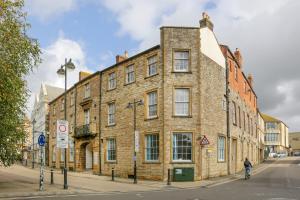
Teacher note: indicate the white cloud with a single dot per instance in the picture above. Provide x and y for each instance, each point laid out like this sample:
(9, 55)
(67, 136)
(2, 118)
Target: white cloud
(266, 32)
(53, 57)
(45, 9)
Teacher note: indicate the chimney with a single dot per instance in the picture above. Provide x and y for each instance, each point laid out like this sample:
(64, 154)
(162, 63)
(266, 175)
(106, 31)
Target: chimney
(238, 57)
(120, 58)
(250, 80)
(83, 75)
(205, 22)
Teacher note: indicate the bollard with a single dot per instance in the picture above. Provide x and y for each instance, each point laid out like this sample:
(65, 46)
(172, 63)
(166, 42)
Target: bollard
(169, 177)
(52, 181)
(113, 174)
(62, 170)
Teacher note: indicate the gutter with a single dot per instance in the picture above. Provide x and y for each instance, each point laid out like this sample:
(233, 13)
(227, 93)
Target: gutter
(227, 117)
(99, 118)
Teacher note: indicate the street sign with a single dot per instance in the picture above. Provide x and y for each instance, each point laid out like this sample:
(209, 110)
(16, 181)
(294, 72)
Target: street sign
(136, 141)
(42, 140)
(204, 141)
(62, 131)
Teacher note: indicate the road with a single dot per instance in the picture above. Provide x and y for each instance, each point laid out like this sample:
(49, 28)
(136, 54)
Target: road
(280, 181)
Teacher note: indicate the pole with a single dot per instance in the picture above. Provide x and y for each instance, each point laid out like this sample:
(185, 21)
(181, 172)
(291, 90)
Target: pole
(52, 181)
(65, 109)
(42, 171)
(134, 127)
(33, 122)
(169, 177)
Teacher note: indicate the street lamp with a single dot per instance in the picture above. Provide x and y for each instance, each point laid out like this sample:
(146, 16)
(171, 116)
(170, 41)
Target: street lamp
(33, 122)
(63, 72)
(133, 105)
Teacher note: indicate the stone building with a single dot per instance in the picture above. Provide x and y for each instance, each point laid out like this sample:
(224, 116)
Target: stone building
(242, 104)
(294, 141)
(179, 90)
(276, 135)
(39, 118)
(261, 137)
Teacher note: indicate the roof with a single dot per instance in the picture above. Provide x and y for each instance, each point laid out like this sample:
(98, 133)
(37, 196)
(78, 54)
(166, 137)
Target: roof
(53, 92)
(268, 118)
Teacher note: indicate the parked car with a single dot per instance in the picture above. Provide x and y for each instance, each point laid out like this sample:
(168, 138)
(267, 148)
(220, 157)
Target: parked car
(282, 155)
(273, 155)
(297, 153)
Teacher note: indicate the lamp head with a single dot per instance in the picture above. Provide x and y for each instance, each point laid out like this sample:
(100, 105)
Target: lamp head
(61, 71)
(70, 64)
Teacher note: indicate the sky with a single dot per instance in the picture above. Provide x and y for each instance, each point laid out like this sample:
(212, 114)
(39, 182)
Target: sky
(93, 32)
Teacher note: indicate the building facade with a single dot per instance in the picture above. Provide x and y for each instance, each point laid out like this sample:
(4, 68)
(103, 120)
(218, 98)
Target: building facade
(39, 119)
(294, 142)
(262, 155)
(276, 135)
(155, 108)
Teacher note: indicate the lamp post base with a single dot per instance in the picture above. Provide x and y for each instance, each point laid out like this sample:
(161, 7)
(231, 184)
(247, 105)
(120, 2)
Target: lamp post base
(65, 179)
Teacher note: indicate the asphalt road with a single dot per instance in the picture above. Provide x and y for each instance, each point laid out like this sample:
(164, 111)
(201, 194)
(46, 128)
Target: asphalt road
(281, 181)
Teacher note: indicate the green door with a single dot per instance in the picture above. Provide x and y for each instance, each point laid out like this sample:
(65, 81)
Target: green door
(183, 174)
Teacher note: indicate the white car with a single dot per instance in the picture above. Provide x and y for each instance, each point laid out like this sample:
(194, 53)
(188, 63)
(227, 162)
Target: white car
(273, 155)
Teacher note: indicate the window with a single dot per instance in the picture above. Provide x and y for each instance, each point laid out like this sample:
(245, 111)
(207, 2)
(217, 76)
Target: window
(271, 137)
(224, 106)
(53, 154)
(130, 74)
(233, 113)
(181, 61)
(111, 149)
(182, 146)
(112, 81)
(182, 102)
(152, 104)
(244, 120)
(152, 65)
(235, 72)
(152, 147)
(87, 91)
(54, 109)
(271, 125)
(221, 148)
(72, 99)
(86, 116)
(248, 121)
(111, 113)
(62, 106)
(71, 153)
(251, 126)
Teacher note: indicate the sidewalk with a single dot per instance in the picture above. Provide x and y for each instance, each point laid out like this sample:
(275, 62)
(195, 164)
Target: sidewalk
(19, 181)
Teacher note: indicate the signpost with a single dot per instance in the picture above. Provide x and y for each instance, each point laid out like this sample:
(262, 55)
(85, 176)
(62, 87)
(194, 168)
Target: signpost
(42, 141)
(136, 141)
(62, 130)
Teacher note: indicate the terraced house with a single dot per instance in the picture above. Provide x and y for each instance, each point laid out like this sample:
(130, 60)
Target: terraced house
(155, 108)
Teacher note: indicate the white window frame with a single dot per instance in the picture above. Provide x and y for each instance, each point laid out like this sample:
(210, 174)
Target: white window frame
(87, 118)
(182, 100)
(234, 118)
(152, 65)
(175, 148)
(221, 148)
(111, 150)
(112, 80)
(130, 74)
(182, 59)
(111, 113)
(87, 90)
(152, 103)
(152, 147)
(62, 104)
(72, 99)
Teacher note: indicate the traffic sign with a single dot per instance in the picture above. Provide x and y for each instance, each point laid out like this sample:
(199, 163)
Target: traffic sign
(204, 141)
(42, 140)
(136, 141)
(62, 131)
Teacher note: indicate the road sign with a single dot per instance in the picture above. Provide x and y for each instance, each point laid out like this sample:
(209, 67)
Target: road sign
(42, 140)
(136, 141)
(204, 141)
(62, 131)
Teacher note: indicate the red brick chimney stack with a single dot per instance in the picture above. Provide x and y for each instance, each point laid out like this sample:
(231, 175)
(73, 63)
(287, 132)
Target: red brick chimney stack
(238, 57)
(120, 58)
(205, 22)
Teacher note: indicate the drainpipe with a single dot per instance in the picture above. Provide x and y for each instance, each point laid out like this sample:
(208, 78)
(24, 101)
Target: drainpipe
(75, 121)
(227, 117)
(100, 96)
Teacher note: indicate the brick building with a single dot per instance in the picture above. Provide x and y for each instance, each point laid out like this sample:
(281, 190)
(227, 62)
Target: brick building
(180, 85)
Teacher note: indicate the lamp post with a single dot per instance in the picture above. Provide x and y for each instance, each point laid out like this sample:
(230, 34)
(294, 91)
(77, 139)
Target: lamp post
(63, 71)
(133, 105)
(33, 122)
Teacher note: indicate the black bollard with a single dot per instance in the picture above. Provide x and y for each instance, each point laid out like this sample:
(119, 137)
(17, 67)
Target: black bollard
(113, 174)
(51, 171)
(169, 177)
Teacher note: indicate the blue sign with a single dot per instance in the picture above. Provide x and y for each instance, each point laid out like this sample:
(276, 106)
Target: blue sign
(42, 140)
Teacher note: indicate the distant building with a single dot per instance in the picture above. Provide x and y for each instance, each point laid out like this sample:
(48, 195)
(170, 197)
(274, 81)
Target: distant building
(39, 117)
(276, 135)
(294, 140)
(26, 143)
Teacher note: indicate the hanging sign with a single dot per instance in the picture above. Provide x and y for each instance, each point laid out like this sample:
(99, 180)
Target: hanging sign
(62, 131)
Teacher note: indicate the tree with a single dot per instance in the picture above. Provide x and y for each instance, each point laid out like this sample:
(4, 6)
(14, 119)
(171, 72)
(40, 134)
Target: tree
(19, 54)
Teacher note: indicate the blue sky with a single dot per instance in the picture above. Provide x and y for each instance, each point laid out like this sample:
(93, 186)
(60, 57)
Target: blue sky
(93, 32)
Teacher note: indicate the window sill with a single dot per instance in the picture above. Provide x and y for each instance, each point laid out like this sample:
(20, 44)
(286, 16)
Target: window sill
(111, 162)
(181, 72)
(221, 161)
(108, 90)
(110, 125)
(151, 76)
(125, 84)
(150, 118)
(182, 162)
(182, 116)
(152, 162)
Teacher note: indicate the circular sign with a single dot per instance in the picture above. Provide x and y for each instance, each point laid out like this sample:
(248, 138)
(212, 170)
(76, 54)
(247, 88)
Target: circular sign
(42, 140)
(62, 128)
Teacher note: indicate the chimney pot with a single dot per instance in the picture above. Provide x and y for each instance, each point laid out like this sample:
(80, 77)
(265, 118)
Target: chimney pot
(238, 57)
(205, 22)
(250, 79)
(126, 54)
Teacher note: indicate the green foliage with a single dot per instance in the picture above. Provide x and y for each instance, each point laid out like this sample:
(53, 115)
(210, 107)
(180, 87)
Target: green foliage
(18, 55)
